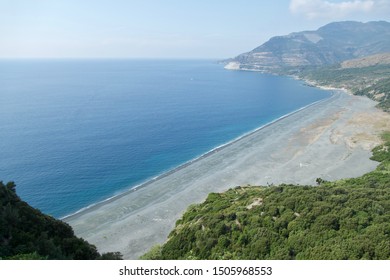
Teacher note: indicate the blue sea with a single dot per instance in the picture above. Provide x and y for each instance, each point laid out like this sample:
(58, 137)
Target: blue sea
(76, 132)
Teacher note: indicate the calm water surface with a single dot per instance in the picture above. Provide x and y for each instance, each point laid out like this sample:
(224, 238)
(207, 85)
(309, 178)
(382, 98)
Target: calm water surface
(75, 132)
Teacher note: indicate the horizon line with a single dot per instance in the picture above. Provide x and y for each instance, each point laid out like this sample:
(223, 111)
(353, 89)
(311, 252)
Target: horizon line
(113, 58)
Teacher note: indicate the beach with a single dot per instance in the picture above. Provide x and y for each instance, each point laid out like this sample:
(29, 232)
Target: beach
(331, 139)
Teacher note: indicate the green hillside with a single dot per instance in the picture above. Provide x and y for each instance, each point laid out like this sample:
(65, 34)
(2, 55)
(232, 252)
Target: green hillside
(347, 219)
(372, 81)
(26, 233)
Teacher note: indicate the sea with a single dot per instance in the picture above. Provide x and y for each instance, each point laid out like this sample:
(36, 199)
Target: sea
(76, 132)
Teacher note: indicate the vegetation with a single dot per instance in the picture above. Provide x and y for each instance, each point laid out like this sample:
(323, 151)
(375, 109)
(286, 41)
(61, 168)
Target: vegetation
(379, 91)
(27, 234)
(372, 81)
(346, 219)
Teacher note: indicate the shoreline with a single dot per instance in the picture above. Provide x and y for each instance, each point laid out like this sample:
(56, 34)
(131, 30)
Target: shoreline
(132, 189)
(311, 143)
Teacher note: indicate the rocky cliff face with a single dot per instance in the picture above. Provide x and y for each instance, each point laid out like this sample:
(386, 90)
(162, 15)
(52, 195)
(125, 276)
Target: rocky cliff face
(330, 44)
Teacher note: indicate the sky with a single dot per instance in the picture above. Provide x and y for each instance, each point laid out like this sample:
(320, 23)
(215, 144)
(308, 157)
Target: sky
(164, 28)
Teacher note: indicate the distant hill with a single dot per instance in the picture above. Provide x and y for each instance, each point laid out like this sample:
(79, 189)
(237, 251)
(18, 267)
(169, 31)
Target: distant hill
(349, 54)
(369, 76)
(372, 60)
(330, 44)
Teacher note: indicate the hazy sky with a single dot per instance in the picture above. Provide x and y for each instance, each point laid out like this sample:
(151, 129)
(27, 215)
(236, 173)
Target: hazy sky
(164, 28)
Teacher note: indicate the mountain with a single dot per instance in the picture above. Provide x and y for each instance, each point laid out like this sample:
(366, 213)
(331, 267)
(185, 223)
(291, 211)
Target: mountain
(330, 44)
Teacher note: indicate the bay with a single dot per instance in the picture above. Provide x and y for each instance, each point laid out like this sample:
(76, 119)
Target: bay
(75, 132)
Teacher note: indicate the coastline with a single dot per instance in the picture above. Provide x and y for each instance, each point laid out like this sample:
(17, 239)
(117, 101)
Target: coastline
(192, 161)
(298, 148)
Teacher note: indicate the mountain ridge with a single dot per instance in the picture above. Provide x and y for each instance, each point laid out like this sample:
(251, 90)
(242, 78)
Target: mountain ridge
(330, 44)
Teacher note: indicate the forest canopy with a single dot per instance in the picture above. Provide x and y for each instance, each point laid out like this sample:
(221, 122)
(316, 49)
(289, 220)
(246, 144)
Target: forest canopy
(26, 233)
